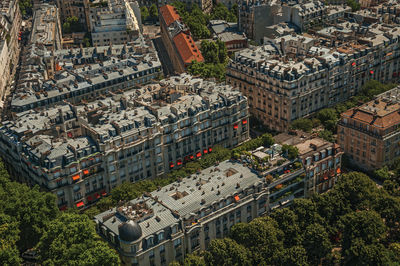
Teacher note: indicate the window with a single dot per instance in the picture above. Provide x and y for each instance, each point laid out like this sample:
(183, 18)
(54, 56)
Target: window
(177, 242)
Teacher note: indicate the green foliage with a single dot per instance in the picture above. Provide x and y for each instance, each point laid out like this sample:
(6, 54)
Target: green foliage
(382, 173)
(328, 118)
(72, 239)
(25, 6)
(290, 151)
(326, 135)
(214, 52)
(302, 124)
(153, 11)
(354, 5)
(144, 13)
(215, 58)
(226, 252)
(356, 217)
(205, 70)
(316, 243)
(295, 256)
(195, 19)
(72, 24)
(220, 11)
(193, 260)
(265, 140)
(9, 235)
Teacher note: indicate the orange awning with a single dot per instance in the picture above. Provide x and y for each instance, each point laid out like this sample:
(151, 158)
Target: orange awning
(80, 204)
(86, 172)
(103, 193)
(76, 177)
(236, 198)
(338, 171)
(97, 195)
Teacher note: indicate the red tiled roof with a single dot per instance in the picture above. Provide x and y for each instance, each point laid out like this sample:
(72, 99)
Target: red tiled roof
(187, 48)
(169, 14)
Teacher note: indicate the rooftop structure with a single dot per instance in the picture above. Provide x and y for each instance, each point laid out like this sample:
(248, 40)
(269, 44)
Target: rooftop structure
(85, 149)
(49, 77)
(46, 30)
(294, 75)
(229, 34)
(116, 21)
(177, 40)
(186, 215)
(369, 133)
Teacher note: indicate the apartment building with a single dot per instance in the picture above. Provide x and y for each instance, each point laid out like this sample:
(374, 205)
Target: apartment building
(10, 24)
(369, 134)
(255, 16)
(73, 8)
(185, 216)
(46, 29)
(81, 151)
(228, 33)
(296, 75)
(114, 21)
(50, 77)
(304, 15)
(176, 37)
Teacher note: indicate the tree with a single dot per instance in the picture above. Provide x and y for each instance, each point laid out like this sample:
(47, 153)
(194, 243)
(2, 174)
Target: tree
(290, 151)
(194, 260)
(365, 225)
(354, 5)
(72, 239)
(326, 135)
(382, 173)
(328, 118)
(9, 235)
(227, 252)
(144, 13)
(99, 254)
(307, 213)
(262, 236)
(153, 11)
(294, 256)
(32, 208)
(316, 242)
(303, 124)
(287, 222)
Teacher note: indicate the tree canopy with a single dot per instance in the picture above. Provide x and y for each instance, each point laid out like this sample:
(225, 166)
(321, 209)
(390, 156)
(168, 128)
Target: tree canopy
(351, 218)
(30, 218)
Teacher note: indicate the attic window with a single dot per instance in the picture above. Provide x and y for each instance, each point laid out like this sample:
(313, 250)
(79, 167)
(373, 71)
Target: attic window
(178, 195)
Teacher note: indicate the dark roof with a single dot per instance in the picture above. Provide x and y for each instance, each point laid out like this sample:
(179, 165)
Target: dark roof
(130, 231)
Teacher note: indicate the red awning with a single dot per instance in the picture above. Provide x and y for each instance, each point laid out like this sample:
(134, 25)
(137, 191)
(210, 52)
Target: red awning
(171, 165)
(198, 154)
(209, 149)
(371, 72)
(80, 204)
(103, 193)
(76, 177)
(191, 157)
(353, 64)
(236, 198)
(97, 195)
(338, 171)
(89, 198)
(205, 151)
(244, 122)
(69, 134)
(85, 172)
(235, 126)
(179, 162)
